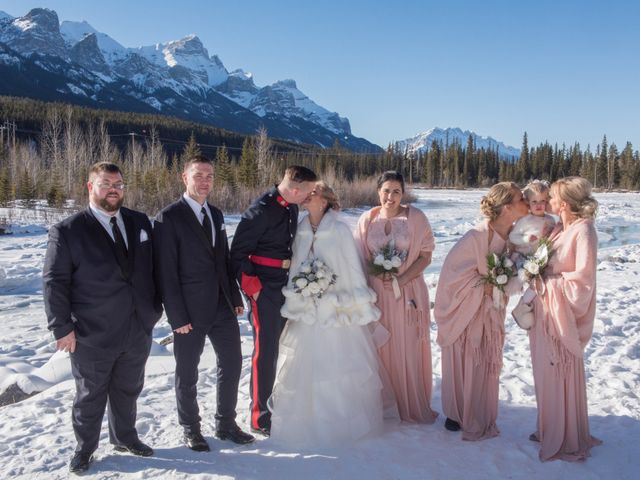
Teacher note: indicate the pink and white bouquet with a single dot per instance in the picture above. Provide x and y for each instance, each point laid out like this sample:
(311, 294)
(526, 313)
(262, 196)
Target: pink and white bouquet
(313, 279)
(500, 268)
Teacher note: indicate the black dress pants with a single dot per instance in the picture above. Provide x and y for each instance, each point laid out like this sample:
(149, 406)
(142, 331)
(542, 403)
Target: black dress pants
(112, 377)
(224, 335)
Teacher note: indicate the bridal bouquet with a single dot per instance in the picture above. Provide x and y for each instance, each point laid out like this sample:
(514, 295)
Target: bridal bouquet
(500, 268)
(313, 279)
(535, 264)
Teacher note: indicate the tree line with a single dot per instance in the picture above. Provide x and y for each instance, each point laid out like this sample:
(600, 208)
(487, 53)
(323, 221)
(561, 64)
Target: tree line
(52, 162)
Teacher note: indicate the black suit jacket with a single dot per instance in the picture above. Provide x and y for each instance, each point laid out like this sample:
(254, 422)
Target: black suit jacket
(191, 272)
(86, 290)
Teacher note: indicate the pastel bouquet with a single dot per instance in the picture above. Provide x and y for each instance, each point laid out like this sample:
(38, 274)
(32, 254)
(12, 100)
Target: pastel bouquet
(500, 269)
(313, 279)
(535, 263)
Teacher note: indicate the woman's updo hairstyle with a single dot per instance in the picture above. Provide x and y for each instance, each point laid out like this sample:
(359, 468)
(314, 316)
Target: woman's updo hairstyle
(576, 193)
(326, 192)
(499, 195)
(391, 176)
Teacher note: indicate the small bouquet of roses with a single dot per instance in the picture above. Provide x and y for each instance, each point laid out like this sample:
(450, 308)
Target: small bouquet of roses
(386, 261)
(313, 279)
(535, 264)
(500, 268)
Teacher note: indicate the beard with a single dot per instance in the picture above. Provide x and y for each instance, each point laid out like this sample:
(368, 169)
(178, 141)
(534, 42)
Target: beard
(111, 207)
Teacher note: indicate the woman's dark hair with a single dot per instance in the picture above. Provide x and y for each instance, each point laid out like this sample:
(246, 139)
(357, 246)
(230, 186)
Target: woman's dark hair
(391, 176)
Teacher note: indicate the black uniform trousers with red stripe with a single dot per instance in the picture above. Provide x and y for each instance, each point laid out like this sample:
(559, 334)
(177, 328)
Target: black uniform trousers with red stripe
(267, 327)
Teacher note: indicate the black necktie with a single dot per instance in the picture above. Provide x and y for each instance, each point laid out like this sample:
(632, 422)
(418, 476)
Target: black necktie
(206, 226)
(121, 247)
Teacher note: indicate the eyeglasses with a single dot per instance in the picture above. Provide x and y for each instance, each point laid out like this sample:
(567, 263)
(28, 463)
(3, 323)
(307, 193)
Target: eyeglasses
(109, 186)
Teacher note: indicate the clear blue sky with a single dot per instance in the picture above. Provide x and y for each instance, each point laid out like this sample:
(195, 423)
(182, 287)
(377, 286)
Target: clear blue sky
(564, 71)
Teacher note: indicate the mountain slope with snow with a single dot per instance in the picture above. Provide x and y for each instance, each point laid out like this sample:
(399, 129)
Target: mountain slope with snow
(163, 76)
(448, 136)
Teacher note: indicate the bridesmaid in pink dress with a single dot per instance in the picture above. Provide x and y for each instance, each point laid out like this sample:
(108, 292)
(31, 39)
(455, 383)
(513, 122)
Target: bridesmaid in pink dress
(564, 313)
(406, 355)
(470, 327)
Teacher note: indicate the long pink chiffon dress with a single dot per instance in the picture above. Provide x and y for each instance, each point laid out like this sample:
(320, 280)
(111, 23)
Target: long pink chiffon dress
(564, 314)
(406, 355)
(470, 334)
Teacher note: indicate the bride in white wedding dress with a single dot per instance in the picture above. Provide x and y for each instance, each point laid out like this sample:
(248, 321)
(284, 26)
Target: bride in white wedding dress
(327, 390)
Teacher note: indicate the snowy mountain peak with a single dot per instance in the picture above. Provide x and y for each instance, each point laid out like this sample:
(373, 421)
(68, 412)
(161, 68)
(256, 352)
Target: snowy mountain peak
(5, 17)
(39, 18)
(448, 136)
(176, 77)
(37, 31)
(287, 83)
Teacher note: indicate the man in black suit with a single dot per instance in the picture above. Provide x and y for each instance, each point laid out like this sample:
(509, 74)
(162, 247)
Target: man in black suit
(202, 299)
(260, 255)
(101, 305)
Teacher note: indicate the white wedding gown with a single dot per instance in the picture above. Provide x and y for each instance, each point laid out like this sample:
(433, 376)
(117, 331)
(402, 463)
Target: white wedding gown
(327, 390)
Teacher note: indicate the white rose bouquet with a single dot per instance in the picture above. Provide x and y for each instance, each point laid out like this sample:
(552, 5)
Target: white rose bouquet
(535, 264)
(313, 279)
(500, 268)
(387, 260)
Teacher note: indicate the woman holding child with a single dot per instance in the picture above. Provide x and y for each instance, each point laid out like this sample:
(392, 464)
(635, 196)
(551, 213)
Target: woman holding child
(402, 293)
(471, 321)
(564, 312)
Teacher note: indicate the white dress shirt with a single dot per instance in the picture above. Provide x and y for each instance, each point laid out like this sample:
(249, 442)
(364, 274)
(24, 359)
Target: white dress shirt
(105, 220)
(197, 209)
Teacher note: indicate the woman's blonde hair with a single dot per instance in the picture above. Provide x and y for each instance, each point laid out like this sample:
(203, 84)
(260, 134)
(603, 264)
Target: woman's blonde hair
(328, 194)
(576, 193)
(499, 195)
(535, 187)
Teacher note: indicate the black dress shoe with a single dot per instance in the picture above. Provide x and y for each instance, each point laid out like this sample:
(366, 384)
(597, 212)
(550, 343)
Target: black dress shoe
(80, 462)
(266, 431)
(196, 442)
(137, 448)
(451, 425)
(235, 434)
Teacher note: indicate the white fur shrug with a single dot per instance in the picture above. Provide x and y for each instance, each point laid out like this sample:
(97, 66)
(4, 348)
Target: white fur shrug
(347, 302)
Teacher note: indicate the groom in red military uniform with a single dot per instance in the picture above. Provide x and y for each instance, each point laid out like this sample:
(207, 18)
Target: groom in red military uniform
(260, 256)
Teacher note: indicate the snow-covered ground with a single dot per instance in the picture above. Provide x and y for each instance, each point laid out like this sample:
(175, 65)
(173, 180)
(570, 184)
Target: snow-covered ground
(36, 440)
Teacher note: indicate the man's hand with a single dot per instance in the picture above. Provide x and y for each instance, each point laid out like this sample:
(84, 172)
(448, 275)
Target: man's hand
(184, 329)
(67, 343)
(239, 310)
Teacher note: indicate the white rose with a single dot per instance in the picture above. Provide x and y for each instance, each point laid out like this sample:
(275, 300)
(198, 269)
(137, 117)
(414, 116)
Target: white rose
(532, 267)
(324, 283)
(502, 279)
(314, 288)
(542, 254)
(306, 292)
(387, 265)
(321, 273)
(379, 260)
(305, 268)
(395, 261)
(507, 263)
(301, 282)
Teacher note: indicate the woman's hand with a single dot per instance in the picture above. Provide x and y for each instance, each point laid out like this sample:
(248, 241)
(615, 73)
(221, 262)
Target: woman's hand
(488, 289)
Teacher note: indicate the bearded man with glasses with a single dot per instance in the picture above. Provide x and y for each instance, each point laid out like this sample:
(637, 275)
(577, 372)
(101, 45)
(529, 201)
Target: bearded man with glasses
(101, 305)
